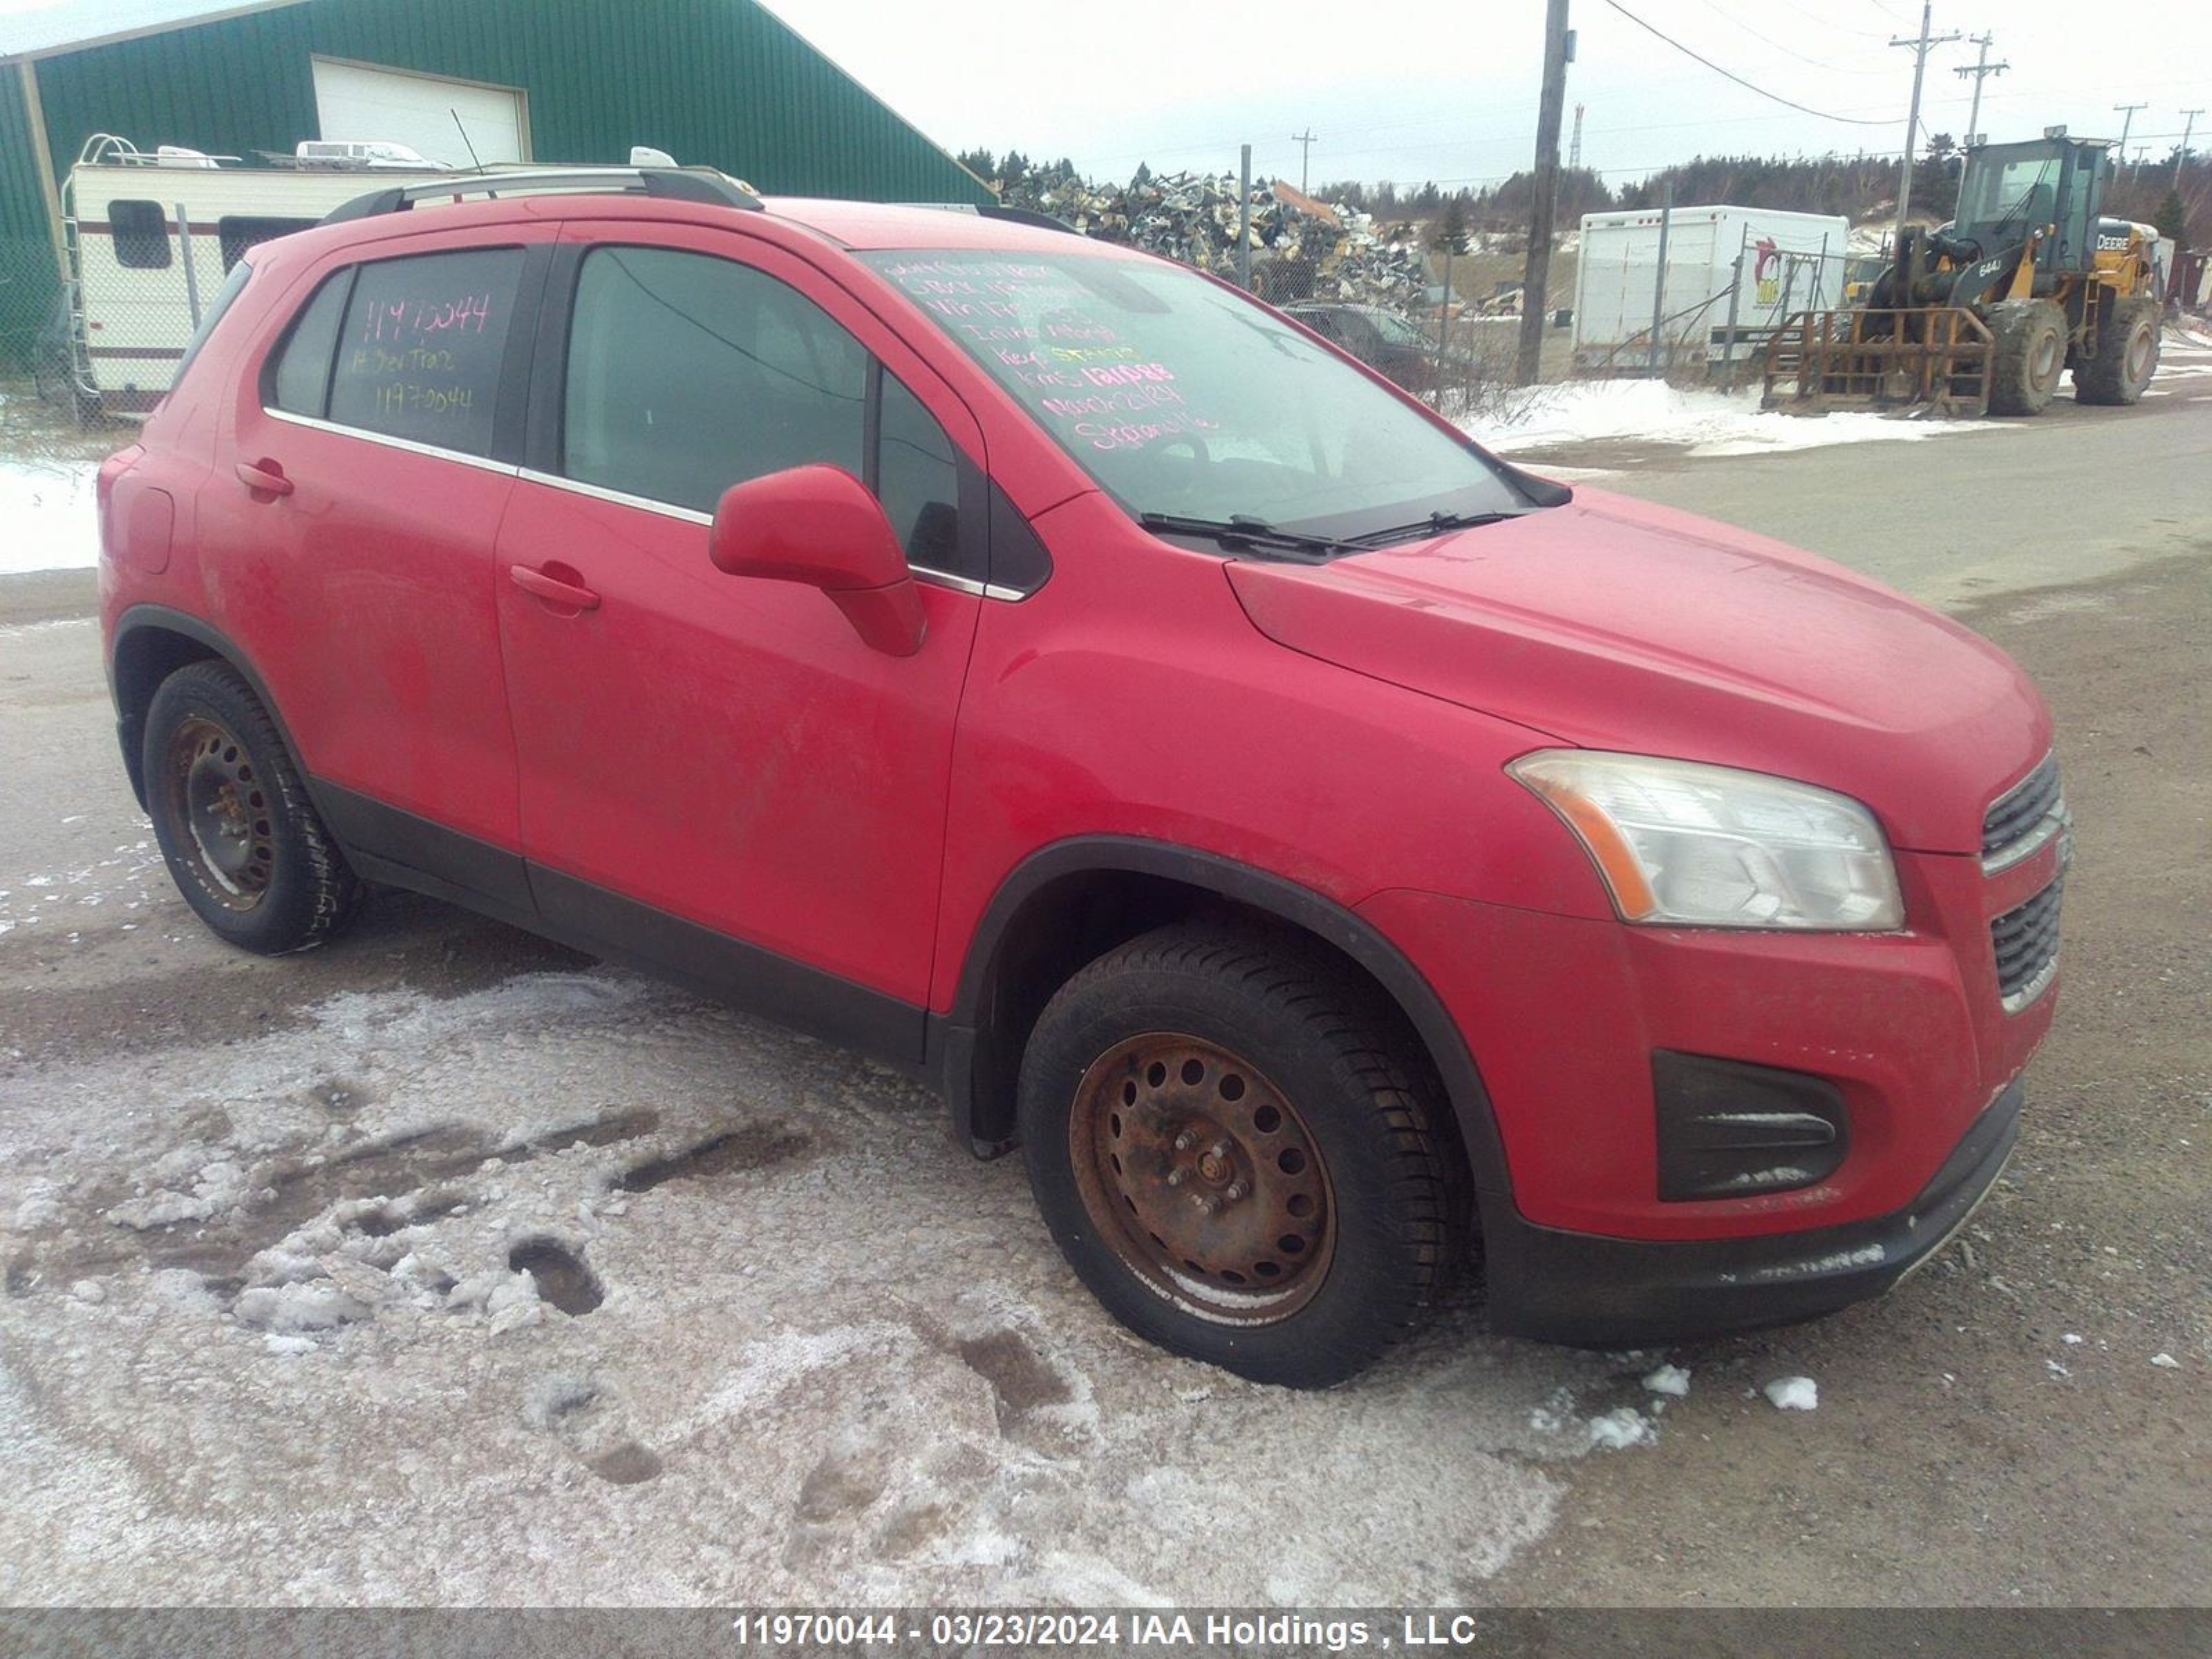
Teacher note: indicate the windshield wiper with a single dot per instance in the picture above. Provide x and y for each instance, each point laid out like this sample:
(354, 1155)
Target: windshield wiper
(1434, 525)
(1242, 529)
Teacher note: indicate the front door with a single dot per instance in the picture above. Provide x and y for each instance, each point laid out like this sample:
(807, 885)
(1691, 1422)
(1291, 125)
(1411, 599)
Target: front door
(718, 774)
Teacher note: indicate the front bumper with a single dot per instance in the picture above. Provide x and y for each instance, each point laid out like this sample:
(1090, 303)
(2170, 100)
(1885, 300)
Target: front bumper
(1595, 1291)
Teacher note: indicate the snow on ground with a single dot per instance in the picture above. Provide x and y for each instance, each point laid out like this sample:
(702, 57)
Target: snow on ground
(47, 519)
(1794, 1394)
(1670, 1380)
(1703, 422)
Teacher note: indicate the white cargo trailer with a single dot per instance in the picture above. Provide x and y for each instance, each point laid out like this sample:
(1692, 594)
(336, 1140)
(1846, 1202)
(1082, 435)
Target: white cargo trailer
(1734, 276)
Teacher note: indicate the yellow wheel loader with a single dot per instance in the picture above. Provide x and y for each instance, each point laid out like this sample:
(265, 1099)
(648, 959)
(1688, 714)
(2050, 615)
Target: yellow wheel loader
(1982, 316)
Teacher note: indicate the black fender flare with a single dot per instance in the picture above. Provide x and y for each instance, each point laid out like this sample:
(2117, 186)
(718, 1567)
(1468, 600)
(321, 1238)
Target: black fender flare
(141, 617)
(953, 1044)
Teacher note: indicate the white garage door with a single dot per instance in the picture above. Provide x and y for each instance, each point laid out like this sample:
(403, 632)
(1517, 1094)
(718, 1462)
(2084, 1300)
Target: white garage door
(355, 103)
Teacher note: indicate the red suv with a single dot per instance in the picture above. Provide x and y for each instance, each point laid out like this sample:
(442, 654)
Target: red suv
(1331, 853)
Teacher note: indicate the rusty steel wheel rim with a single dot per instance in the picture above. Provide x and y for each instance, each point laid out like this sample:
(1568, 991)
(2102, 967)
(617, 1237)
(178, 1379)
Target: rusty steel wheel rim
(228, 842)
(1202, 1178)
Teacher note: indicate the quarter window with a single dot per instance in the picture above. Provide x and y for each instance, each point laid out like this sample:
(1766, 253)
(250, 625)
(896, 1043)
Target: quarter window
(142, 234)
(422, 345)
(300, 372)
(239, 232)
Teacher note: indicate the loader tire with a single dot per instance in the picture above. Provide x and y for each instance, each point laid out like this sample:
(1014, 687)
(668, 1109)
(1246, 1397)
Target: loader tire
(2031, 356)
(2127, 354)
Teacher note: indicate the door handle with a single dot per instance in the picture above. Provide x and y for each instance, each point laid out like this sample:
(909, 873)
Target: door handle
(552, 589)
(264, 477)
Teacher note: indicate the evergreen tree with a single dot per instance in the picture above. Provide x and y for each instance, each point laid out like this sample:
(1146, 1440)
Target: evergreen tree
(2172, 219)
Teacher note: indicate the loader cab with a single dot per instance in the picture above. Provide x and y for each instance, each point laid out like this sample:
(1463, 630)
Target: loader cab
(2010, 191)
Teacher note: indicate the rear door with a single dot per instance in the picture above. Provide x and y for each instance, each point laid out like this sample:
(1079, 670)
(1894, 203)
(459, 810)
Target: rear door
(348, 526)
(718, 774)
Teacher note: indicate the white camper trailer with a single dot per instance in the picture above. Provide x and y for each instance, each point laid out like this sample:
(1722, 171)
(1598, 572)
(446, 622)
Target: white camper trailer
(150, 237)
(1733, 276)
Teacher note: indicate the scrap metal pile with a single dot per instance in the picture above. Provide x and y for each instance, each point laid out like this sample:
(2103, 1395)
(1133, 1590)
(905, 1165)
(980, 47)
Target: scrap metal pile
(1302, 248)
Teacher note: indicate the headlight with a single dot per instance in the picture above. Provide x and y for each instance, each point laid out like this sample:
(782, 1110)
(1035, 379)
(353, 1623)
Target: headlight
(1681, 844)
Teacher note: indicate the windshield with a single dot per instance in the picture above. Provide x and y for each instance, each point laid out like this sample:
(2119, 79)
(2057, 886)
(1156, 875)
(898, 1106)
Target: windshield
(2021, 189)
(1182, 398)
(1396, 330)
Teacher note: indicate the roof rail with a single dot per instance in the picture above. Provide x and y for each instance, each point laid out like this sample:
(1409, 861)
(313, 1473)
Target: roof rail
(1012, 216)
(702, 185)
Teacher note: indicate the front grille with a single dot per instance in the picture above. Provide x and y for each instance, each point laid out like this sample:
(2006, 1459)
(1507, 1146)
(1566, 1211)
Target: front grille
(2023, 818)
(2026, 941)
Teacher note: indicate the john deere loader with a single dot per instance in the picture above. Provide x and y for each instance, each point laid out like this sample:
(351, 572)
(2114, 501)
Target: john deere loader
(1982, 315)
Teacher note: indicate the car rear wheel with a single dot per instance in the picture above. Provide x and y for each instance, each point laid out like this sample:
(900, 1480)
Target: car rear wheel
(1235, 1156)
(232, 816)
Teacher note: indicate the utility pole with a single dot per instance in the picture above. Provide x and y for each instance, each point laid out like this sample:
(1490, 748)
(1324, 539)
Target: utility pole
(1544, 190)
(1244, 220)
(1981, 69)
(1921, 44)
(2127, 113)
(1575, 144)
(2188, 128)
(1659, 283)
(1304, 140)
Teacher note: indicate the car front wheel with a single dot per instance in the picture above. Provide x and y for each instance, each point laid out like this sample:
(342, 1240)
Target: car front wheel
(1233, 1151)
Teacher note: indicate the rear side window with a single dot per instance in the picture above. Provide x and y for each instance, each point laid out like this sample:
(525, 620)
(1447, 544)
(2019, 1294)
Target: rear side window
(421, 344)
(299, 373)
(142, 234)
(688, 374)
(238, 233)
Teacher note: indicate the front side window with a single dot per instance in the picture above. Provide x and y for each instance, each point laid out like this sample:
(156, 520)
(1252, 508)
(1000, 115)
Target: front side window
(422, 345)
(918, 480)
(688, 374)
(142, 234)
(1182, 397)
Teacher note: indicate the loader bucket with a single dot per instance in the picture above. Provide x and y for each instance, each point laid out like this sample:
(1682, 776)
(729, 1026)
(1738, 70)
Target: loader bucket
(1936, 358)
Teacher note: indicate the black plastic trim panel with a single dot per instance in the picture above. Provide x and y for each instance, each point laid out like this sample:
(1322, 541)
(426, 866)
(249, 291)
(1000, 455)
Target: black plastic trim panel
(1595, 1291)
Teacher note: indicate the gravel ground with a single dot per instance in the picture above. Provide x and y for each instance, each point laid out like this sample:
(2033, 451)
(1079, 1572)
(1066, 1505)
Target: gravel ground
(444, 1265)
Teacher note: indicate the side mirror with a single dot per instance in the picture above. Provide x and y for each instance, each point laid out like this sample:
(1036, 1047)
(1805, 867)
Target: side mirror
(818, 524)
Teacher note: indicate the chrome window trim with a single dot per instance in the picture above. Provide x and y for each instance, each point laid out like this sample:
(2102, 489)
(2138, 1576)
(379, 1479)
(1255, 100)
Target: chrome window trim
(967, 585)
(619, 498)
(484, 463)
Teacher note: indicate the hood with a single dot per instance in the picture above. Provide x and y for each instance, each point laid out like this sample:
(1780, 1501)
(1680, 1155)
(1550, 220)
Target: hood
(1612, 624)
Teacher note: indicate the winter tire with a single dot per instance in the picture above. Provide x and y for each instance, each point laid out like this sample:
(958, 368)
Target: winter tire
(1234, 1156)
(242, 839)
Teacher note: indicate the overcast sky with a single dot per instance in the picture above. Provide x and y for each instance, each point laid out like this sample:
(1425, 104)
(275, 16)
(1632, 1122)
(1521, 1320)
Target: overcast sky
(1446, 89)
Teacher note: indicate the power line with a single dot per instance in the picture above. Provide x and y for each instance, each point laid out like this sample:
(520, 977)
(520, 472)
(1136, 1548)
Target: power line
(1788, 51)
(1803, 109)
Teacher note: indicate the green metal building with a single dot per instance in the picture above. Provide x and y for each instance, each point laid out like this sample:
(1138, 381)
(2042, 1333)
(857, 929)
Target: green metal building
(719, 83)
